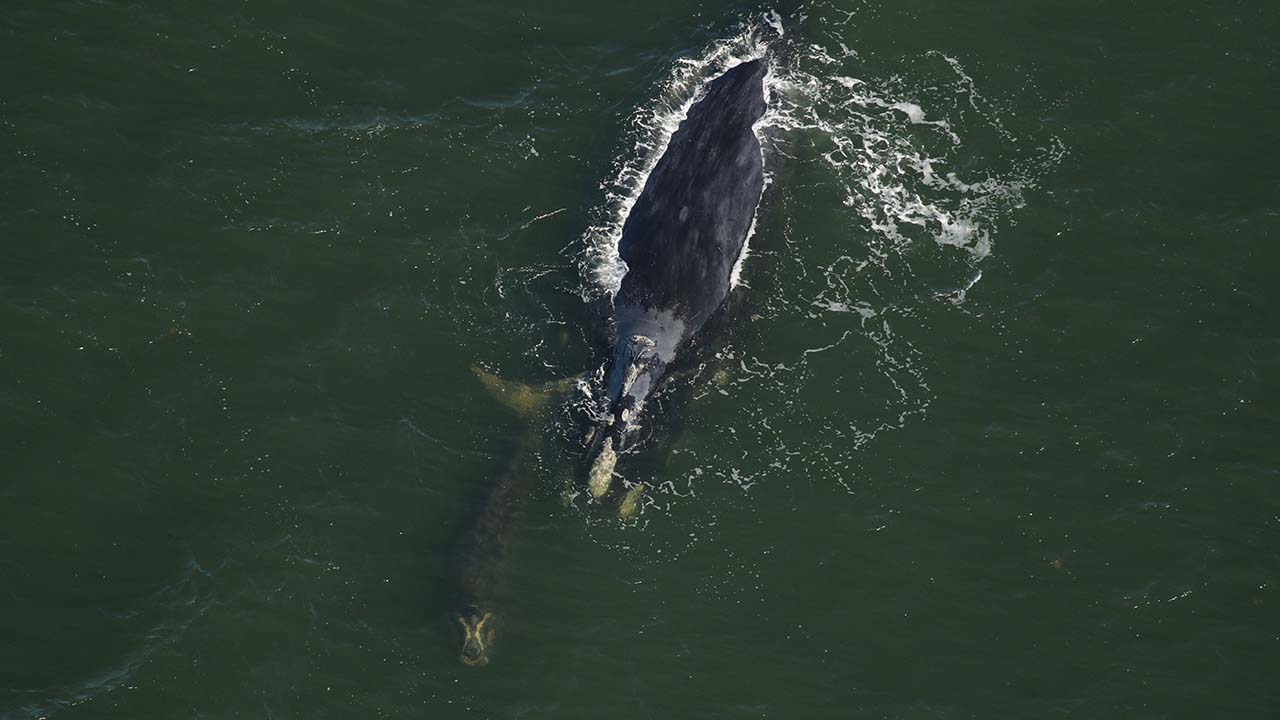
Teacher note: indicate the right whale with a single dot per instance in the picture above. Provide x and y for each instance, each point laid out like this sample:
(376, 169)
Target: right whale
(681, 242)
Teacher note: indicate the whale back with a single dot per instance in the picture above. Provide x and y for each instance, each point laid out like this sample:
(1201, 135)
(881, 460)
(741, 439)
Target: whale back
(687, 229)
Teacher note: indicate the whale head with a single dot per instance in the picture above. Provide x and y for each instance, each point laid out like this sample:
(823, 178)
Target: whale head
(638, 364)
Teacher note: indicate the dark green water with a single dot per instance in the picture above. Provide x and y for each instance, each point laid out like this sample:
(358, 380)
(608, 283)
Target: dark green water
(1000, 444)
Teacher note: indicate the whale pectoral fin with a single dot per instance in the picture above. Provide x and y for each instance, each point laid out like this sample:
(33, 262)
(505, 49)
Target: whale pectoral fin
(631, 503)
(526, 400)
(564, 386)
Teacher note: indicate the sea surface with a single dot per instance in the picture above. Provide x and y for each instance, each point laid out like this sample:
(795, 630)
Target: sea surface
(988, 428)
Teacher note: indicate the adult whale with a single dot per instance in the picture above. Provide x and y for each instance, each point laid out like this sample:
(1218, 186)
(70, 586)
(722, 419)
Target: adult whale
(681, 242)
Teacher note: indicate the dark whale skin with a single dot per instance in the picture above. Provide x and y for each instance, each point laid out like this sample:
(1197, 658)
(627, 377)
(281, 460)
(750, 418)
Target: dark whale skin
(684, 235)
(686, 230)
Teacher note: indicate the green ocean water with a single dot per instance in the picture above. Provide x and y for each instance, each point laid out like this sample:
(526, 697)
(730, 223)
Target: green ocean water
(987, 430)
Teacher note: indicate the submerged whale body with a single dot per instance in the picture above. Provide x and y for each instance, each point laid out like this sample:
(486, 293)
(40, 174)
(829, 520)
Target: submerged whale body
(681, 242)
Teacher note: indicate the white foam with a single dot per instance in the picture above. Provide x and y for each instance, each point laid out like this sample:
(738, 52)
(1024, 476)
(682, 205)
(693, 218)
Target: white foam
(894, 178)
(760, 128)
(775, 21)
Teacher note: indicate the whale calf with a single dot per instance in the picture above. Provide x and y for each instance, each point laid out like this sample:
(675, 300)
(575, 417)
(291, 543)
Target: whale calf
(681, 241)
(479, 556)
